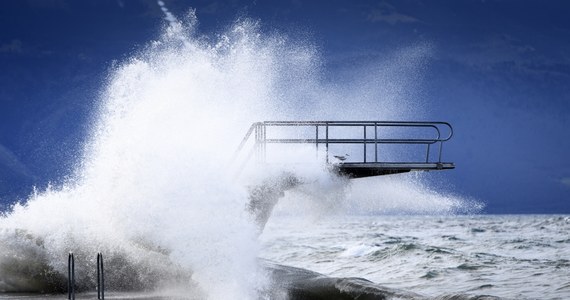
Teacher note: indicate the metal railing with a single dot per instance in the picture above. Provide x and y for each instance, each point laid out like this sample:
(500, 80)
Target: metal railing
(440, 132)
(71, 277)
(100, 277)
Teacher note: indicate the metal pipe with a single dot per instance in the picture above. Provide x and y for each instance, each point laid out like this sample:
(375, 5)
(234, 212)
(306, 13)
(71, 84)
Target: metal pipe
(417, 124)
(245, 139)
(364, 143)
(71, 277)
(327, 141)
(100, 277)
(375, 142)
(351, 141)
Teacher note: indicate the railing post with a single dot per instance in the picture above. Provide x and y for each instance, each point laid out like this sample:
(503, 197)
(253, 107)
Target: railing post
(71, 277)
(427, 153)
(375, 142)
(100, 277)
(327, 140)
(364, 143)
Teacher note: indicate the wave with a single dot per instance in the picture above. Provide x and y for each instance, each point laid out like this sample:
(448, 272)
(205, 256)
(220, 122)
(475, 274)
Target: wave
(152, 191)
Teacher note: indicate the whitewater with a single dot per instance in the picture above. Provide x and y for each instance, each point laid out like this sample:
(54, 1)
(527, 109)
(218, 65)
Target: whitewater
(152, 190)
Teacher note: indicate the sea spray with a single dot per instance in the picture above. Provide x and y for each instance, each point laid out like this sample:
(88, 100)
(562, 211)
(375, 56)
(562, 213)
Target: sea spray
(154, 192)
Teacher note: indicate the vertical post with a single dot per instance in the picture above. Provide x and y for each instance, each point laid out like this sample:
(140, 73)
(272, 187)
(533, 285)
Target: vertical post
(100, 277)
(427, 153)
(364, 143)
(375, 142)
(327, 140)
(440, 149)
(71, 277)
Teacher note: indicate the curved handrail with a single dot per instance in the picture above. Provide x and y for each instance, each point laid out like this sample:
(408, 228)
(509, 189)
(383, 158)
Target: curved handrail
(259, 130)
(432, 124)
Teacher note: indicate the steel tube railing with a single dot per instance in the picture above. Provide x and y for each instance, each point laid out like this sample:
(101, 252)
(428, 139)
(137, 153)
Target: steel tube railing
(364, 143)
(375, 143)
(434, 125)
(351, 141)
(71, 277)
(100, 277)
(436, 129)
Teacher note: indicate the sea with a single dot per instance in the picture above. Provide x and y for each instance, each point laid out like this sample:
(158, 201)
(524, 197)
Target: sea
(507, 256)
(408, 257)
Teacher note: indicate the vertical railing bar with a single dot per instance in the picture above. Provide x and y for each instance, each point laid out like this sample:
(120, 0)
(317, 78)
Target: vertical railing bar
(364, 143)
(71, 277)
(440, 149)
(100, 277)
(327, 140)
(427, 153)
(375, 141)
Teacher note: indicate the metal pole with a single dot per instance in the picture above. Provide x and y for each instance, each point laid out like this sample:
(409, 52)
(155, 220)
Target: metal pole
(70, 277)
(427, 154)
(364, 143)
(327, 141)
(375, 142)
(100, 277)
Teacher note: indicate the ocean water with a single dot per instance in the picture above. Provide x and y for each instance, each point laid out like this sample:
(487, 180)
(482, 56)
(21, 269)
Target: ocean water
(511, 256)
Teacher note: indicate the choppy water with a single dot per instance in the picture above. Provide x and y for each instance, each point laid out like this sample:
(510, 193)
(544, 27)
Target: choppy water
(512, 256)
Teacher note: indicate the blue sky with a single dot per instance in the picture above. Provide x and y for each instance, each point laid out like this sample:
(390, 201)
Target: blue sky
(499, 71)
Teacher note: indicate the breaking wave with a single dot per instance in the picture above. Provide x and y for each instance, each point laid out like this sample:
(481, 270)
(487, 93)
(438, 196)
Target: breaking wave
(153, 191)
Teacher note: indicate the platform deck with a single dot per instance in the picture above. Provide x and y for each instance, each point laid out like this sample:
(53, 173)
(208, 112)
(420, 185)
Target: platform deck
(359, 170)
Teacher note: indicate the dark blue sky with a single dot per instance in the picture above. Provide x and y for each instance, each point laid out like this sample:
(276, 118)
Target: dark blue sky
(499, 71)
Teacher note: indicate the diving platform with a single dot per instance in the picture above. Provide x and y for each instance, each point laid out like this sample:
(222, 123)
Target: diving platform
(357, 170)
(353, 148)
